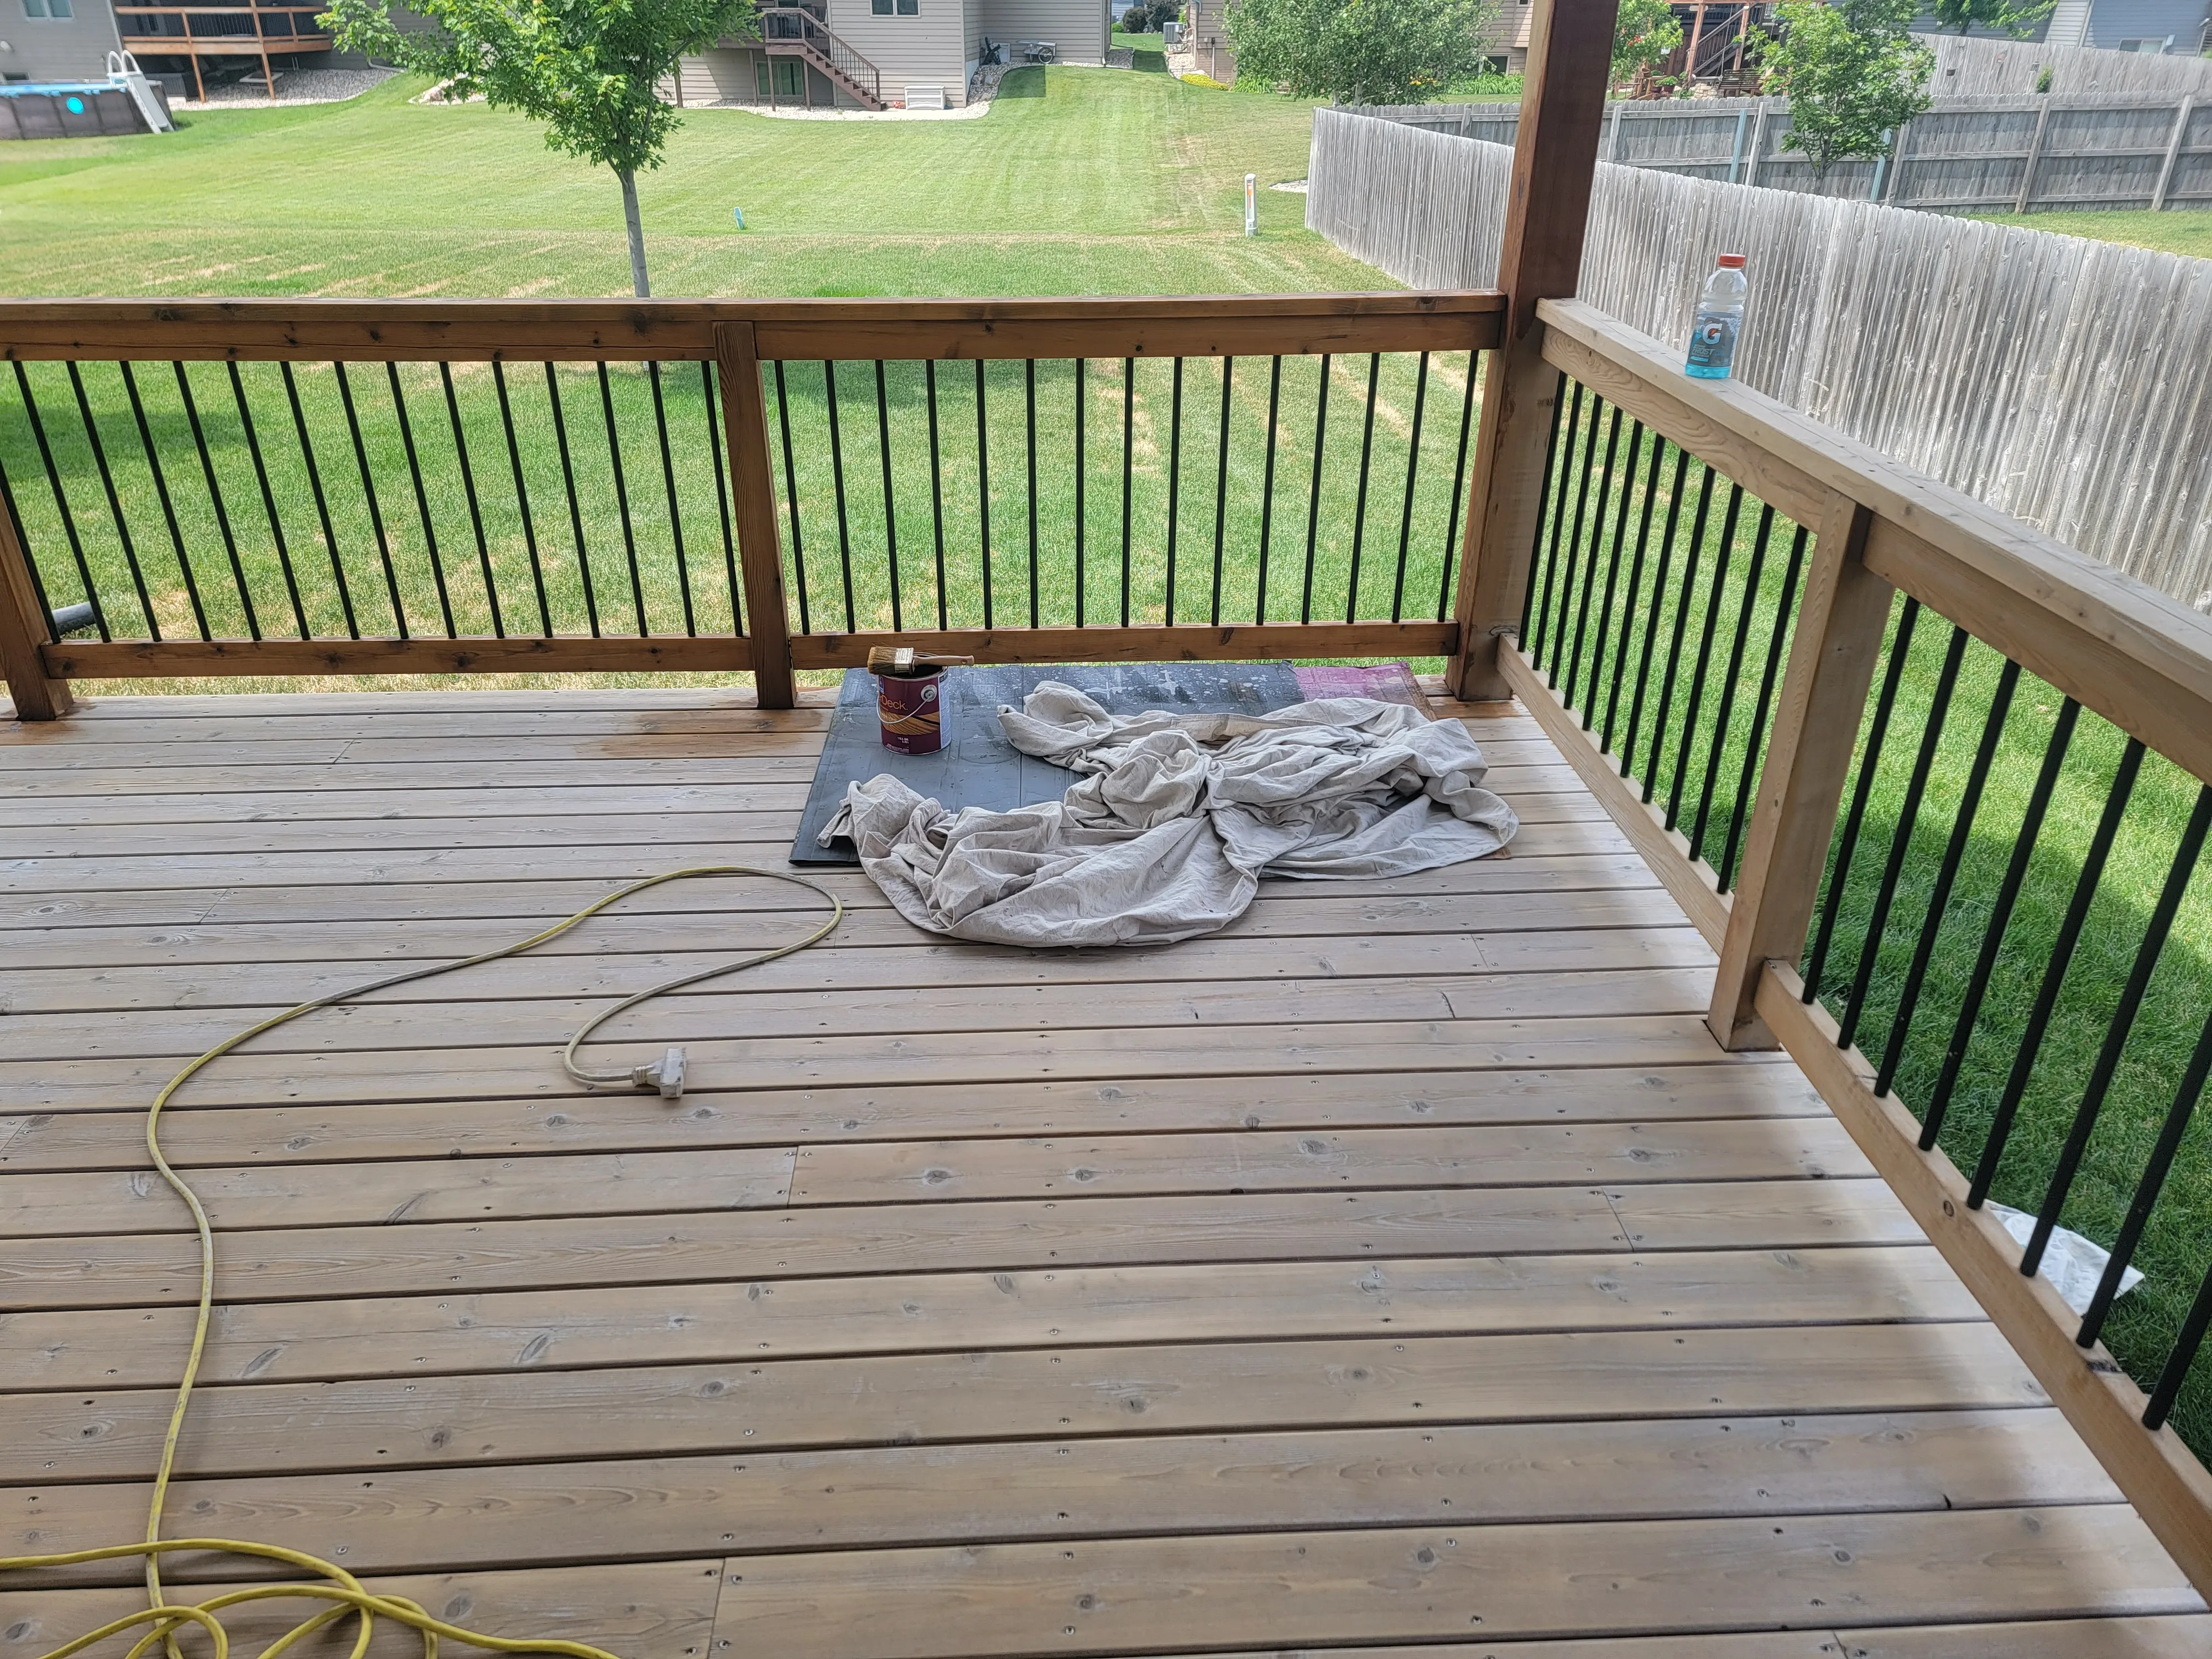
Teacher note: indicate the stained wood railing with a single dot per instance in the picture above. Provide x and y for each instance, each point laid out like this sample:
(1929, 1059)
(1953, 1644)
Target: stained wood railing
(289, 487)
(1937, 790)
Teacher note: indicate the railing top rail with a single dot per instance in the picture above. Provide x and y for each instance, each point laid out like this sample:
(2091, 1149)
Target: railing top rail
(299, 329)
(2115, 644)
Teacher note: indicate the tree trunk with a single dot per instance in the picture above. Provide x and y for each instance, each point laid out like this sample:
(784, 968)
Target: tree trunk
(638, 283)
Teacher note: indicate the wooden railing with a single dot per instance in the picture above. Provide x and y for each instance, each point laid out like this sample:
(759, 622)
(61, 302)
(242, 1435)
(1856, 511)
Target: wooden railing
(1937, 790)
(794, 30)
(288, 487)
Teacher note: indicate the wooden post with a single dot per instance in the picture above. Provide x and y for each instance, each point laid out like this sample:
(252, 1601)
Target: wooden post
(1816, 726)
(2172, 152)
(22, 632)
(2034, 155)
(760, 548)
(1554, 162)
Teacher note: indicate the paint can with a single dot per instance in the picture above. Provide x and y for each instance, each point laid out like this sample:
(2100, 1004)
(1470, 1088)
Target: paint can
(909, 705)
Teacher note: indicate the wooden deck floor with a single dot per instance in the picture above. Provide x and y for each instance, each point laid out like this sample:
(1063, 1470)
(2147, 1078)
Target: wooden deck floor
(1405, 1268)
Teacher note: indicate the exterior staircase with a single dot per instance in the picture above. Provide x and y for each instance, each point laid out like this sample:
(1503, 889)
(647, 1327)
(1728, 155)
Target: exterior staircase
(794, 32)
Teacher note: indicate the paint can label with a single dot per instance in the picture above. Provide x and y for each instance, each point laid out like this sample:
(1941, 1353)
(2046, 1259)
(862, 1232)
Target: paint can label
(909, 708)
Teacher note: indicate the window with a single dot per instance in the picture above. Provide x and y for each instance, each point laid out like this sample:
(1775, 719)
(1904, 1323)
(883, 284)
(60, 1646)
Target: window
(789, 78)
(900, 8)
(46, 8)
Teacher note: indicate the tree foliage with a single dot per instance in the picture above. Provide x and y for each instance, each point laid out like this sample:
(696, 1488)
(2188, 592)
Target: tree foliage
(589, 69)
(1645, 32)
(1962, 15)
(1360, 51)
(1853, 73)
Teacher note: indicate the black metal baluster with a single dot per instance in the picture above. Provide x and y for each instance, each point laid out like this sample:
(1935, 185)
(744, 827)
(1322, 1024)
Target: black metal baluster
(1612, 581)
(1574, 663)
(1704, 653)
(1360, 498)
(522, 497)
(1756, 739)
(1547, 513)
(114, 502)
(368, 494)
(791, 497)
(1629, 602)
(1847, 842)
(1900, 841)
(1725, 711)
(162, 495)
(1939, 899)
(2186, 1343)
(1313, 510)
(1412, 471)
(1175, 482)
(1029, 454)
(716, 456)
(422, 500)
(1080, 575)
(2119, 1029)
(469, 491)
(983, 485)
(844, 530)
(1452, 530)
(1690, 563)
(268, 497)
(1652, 624)
(936, 483)
(675, 510)
(1267, 493)
(62, 506)
(2054, 972)
(1221, 489)
(622, 500)
(576, 506)
(890, 508)
(1546, 632)
(2023, 851)
(2147, 1189)
(322, 502)
(215, 497)
(37, 582)
(1128, 467)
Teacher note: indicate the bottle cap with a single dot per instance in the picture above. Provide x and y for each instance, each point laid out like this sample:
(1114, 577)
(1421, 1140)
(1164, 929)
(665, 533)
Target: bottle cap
(1732, 261)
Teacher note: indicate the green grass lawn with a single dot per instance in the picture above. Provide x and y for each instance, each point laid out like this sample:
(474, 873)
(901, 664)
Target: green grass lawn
(2187, 231)
(1109, 183)
(1677, 754)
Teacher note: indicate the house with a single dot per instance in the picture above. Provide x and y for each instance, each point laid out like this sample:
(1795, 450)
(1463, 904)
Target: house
(55, 39)
(2181, 27)
(881, 54)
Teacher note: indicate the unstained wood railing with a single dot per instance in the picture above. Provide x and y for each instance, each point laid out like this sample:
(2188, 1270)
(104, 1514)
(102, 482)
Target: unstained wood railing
(289, 487)
(1937, 789)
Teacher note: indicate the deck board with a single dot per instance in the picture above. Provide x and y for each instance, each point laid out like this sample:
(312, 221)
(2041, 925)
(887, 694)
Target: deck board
(1403, 1265)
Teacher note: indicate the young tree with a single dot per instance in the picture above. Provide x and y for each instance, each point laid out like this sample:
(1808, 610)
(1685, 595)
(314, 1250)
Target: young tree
(1963, 15)
(589, 69)
(1360, 51)
(1645, 33)
(1853, 73)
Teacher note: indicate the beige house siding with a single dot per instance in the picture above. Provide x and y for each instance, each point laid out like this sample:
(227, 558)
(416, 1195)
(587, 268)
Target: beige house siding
(731, 75)
(1077, 27)
(1209, 37)
(73, 48)
(932, 47)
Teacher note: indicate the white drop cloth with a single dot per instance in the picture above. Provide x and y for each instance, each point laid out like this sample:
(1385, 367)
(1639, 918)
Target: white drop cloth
(1179, 817)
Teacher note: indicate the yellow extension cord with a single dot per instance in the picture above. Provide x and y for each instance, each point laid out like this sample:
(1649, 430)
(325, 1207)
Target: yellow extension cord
(341, 1589)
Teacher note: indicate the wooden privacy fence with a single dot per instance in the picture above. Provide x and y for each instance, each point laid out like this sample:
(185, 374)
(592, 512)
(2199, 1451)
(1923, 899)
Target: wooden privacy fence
(1968, 65)
(290, 487)
(2011, 154)
(2066, 382)
(1861, 727)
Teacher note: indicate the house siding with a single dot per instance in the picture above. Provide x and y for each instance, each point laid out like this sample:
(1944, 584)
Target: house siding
(2111, 22)
(73, 48)
(932, 47)
(1077, 28)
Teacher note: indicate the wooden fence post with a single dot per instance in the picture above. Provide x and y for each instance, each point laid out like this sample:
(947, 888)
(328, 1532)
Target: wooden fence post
(22, 632)
(1554, 162)
(760, 548)
(1816, 726)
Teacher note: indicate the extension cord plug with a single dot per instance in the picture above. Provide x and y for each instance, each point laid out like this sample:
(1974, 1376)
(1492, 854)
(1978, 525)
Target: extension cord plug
(666, 1076)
